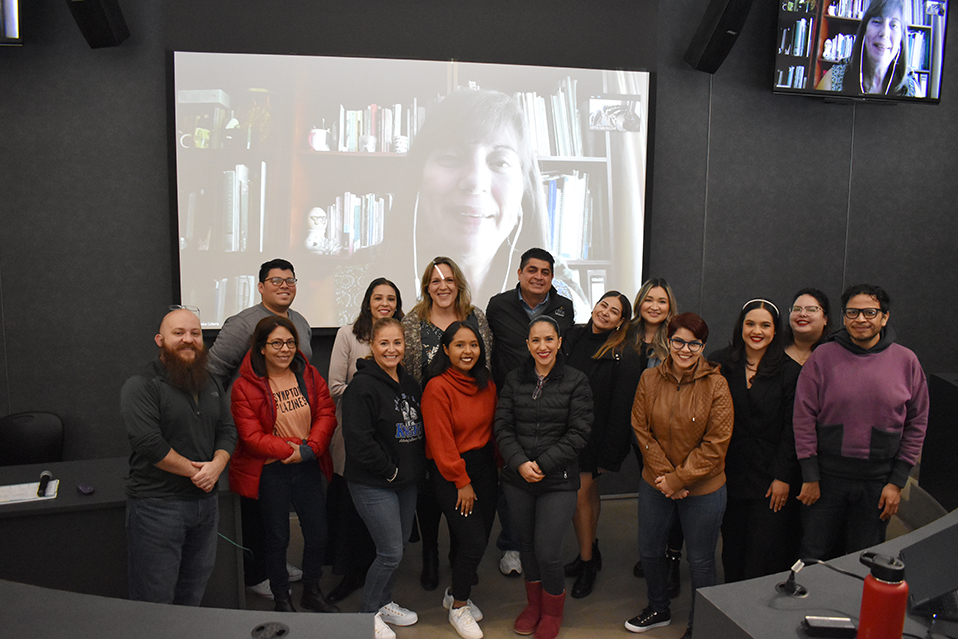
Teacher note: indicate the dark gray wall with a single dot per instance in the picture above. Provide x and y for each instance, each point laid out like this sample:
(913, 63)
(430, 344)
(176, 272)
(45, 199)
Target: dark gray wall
(751, 193)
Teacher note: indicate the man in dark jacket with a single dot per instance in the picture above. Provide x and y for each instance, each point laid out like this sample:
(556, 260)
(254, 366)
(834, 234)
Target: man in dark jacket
(509, 314)
(180, 428)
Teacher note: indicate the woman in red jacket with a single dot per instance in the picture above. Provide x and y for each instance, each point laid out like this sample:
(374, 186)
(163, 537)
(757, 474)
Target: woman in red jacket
(458, 408)
(285, 419)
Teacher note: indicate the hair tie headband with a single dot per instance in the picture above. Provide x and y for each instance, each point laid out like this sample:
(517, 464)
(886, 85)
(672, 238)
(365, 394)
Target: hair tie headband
(764, 301)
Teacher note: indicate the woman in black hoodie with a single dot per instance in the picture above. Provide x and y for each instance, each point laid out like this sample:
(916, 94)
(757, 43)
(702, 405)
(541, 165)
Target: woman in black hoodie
(385, 458)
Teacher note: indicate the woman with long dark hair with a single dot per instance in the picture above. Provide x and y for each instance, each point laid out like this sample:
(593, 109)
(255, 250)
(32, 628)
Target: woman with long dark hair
(760, 529)
(808, 324)
(682, 417)
(542, 424)
(459, 405)
(352, 548)
(285, 419)
(600, 349)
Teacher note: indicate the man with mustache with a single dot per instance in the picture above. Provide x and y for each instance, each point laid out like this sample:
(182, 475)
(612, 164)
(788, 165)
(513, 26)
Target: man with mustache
(180, 428)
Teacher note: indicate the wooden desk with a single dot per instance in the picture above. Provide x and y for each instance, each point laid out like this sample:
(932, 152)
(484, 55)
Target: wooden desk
(78, 542)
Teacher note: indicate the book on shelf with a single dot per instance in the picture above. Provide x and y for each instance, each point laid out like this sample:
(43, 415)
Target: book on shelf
(354, 222)
(795, 77)
(569, 208)
(851, 9)
(235, 209)
(376, 127)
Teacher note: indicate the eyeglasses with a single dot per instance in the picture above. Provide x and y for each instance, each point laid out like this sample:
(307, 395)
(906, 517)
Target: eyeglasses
(279, 344)
(869, 313)
(278, 281)
(808, 309)
(678, 344)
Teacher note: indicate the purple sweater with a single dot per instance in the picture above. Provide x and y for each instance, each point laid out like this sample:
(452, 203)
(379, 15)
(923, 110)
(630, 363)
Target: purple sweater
(860, 414)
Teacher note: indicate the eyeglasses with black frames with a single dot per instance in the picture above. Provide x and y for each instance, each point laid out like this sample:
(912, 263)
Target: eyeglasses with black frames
(679, 343)
(278, 344)
(278, 281)
(869, 313)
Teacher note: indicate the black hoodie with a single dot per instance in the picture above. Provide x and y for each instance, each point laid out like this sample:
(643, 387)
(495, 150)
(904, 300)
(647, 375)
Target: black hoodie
(382, 428)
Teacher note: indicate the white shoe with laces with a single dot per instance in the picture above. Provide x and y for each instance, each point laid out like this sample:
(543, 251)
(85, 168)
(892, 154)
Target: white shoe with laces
(447, 601)
(261, 589)
(464, 623)
(381, 630)
(510, 565)
(397, 615)
(295, 574)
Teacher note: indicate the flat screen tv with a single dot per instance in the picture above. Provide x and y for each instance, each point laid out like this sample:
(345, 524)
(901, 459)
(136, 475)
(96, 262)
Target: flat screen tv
(863, 50)
(358, 168)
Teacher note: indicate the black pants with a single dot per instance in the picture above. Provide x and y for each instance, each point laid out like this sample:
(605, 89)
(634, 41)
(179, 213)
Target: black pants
(758, 541)
(472, 532)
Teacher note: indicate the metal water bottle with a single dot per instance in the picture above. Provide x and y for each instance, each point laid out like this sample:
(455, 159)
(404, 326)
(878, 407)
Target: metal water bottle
(884, 598)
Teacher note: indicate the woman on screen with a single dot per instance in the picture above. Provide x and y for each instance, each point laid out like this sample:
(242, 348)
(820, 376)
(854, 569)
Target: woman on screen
(807, 324)
(543, 421)
(385, 460)
(459, 405)
(283, 450)
(444, 298)
(761, 524)
(480, 196)
(879, 60)
(600, 350)
(682, 417)
(353, 548)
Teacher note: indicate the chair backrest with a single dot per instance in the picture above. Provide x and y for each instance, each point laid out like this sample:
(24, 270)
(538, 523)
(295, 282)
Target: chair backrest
(30, 438)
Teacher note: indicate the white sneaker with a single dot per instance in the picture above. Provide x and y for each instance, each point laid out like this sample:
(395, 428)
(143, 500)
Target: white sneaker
(447, 601)
(397, 615)
(464, 623)
(295, 574)
(510, 565)
(381, 630)
(261, 589)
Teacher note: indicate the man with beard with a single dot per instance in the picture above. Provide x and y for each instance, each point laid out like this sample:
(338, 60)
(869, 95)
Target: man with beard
(180, 427)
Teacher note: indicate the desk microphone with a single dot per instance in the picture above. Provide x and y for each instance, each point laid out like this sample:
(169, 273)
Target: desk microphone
(789, 587)
(45, 478)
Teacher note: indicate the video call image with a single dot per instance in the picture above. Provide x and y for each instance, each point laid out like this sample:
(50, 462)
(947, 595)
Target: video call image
(355, 168)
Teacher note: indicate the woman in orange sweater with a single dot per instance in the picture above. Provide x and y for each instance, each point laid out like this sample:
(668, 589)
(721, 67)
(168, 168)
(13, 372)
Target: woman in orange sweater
(458, 408)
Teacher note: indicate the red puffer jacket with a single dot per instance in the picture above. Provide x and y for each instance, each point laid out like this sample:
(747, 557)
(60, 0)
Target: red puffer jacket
(254, 412)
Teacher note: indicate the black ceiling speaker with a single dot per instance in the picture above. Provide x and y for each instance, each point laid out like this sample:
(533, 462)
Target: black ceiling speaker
(100, 21)
(717, 33)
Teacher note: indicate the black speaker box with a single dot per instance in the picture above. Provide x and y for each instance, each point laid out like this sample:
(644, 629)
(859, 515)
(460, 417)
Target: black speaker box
(100, 21)
(938, 474)
(717, 33)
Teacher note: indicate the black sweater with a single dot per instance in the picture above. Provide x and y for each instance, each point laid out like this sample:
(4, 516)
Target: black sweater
(382, 428)
(551, 430)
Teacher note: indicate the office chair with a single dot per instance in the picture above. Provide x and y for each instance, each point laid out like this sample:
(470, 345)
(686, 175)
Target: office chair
(30, 438)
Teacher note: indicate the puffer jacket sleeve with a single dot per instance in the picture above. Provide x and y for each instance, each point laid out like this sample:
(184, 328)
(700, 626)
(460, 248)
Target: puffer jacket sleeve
(513, 455)
(250, 408)
(581, 413)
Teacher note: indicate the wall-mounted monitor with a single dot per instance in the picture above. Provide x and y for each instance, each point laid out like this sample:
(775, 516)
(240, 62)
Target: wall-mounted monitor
(357, 168)
(882, 50)
(10, 22)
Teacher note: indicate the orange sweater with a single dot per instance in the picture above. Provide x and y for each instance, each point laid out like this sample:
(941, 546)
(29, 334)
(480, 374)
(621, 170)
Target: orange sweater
(457, 417)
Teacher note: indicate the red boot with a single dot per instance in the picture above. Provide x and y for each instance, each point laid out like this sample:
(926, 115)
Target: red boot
(552, 606)
(528, 619)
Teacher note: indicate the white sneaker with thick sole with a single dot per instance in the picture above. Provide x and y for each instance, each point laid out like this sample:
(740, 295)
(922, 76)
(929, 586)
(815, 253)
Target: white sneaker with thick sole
(397, 615)
(261, 589)
(447, 601)
(381, 630)
(464, 623)
(510, 565)
(295, 574)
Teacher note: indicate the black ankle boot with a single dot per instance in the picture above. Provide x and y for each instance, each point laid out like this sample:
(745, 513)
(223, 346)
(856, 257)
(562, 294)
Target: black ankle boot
(429, 579)
(638, 570)
(574, 567)
(283, 602)
(352, 581)
(674, 561)
(586, 581)
(313, 599)
(596, 555)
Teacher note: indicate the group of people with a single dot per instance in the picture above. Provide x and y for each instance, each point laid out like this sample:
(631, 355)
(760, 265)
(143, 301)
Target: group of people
(793, 440)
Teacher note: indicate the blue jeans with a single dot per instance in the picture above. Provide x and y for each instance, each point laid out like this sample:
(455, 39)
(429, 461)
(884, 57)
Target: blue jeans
(171, 548)
(701, 519)
(302, 486)
(388, 515)
(845, 519)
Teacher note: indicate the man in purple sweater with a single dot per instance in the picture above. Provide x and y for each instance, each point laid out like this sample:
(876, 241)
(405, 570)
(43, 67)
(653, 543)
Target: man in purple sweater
(861, 409)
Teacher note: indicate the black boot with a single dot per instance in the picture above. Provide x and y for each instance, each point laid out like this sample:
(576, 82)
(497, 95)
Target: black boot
(429, 579)
(352, 581)
(574, 567)
(586, 581)
(313, 599)
(596, 555)
(674, 560)
(283, 602)
(638, 570)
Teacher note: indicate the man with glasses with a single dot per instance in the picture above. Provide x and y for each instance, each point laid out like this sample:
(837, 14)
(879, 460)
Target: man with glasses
(180, 428)
(861, 409)
(277, 287)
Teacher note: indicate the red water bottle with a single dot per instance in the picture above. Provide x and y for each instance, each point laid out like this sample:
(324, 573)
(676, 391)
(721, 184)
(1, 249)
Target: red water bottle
(884, 598)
